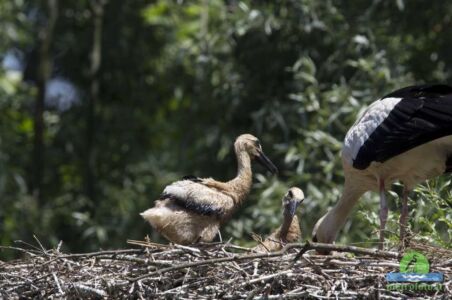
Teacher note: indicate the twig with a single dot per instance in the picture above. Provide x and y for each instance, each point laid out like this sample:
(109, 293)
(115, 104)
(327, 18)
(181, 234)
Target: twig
(58, 284)
(267, 277)
(18, 249)
(191, 249)
(148, 244)
(90, 290)
(343, 248)
(106, 252)
(40, 245)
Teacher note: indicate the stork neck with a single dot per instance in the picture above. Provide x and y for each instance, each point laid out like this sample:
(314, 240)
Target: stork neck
(287, 221)
(337, 216)
(241, 184)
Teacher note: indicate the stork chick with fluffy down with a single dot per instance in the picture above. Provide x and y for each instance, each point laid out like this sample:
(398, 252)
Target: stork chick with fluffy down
(191, 210)
(289, 231)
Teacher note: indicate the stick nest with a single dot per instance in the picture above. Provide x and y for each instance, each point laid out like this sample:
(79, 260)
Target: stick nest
(213, 271)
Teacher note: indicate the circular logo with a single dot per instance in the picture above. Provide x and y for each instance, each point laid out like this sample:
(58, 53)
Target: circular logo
(414, 262)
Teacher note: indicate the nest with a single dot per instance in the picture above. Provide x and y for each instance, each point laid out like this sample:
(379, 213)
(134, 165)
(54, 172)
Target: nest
(213, 271)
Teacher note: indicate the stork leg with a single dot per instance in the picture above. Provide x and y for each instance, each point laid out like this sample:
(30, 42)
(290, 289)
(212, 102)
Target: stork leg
(383, 213)
(219, 235)
(403, 216)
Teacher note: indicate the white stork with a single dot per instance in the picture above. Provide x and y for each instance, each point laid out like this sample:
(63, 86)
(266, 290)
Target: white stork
(406, 136)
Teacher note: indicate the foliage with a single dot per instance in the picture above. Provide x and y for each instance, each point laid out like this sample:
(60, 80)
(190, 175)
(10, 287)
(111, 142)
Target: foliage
(179, 80)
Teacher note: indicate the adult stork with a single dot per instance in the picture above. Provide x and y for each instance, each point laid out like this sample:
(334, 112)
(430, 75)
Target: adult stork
(406, 136)
(191, 210)
(289, 231)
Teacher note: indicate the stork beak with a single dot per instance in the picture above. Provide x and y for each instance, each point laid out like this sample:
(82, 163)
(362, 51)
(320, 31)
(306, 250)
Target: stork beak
(266, 162)
(292, 207)
(321, 252)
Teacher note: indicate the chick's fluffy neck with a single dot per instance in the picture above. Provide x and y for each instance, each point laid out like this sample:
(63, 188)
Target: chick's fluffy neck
(287, 221)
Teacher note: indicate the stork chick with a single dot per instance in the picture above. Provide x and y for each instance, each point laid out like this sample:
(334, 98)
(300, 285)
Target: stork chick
(191, 210)
(406, 136)
(289, 231)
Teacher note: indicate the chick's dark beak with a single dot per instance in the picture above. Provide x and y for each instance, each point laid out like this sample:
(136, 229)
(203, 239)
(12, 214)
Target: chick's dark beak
(266, 162)
(292, 207)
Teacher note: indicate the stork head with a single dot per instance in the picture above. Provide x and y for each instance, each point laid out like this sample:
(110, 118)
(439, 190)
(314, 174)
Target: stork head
(251, 145)
(325, 231)
(291, 200)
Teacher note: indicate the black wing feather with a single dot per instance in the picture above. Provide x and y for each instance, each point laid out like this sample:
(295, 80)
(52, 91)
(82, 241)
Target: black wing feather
(419, 91)
(423, 115)
(196, 207)
(192, 178)
(191, 204)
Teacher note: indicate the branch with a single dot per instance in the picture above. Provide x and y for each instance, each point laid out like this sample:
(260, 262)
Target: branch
(343, 248)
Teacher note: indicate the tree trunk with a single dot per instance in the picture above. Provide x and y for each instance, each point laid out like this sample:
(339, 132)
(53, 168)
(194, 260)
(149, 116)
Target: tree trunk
(96, 55)
(44, 72)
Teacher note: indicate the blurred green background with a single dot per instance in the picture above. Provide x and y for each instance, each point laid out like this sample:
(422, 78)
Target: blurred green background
(104, 102)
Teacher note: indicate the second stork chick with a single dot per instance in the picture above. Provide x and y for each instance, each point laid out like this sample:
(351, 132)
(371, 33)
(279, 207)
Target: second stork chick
(191, 210)
(289, 231)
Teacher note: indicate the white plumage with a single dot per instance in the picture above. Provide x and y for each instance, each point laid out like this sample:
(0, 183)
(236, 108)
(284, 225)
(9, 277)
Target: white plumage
(406, 136)
(372, 117)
